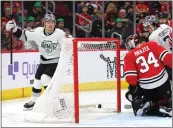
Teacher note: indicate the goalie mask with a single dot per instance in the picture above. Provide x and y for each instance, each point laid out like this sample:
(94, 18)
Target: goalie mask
(131, 42)
(149, 20)
(150, 23)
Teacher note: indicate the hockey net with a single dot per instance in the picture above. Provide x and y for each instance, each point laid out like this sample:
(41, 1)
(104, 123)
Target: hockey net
(87, 80)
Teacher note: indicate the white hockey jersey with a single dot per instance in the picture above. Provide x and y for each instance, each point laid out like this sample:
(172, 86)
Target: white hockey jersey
(162, 36)
(49, 45)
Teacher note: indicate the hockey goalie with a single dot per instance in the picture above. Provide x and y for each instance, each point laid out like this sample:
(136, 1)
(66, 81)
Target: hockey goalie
(149, 88)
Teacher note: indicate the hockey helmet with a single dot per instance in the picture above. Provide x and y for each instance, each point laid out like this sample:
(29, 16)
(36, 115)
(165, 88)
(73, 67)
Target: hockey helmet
(131, 42)
(149, 20)
(48, 17)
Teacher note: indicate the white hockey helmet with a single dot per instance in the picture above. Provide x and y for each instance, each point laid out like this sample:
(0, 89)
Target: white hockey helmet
(48, 17)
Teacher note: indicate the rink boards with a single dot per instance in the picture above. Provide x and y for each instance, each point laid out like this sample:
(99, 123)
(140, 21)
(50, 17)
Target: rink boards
(18, 77)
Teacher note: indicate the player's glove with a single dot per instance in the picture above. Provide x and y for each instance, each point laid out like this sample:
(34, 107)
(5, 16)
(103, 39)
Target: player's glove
(128, 96)
(134, 92)
(11, 25)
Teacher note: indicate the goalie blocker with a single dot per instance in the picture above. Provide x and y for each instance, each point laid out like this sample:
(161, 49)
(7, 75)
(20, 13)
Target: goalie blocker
(149, 87)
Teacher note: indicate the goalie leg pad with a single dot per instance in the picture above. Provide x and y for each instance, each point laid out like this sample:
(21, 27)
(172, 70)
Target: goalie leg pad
(140, 107)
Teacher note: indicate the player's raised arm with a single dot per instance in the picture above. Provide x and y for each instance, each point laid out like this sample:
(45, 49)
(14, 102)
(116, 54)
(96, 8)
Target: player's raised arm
(18, 32)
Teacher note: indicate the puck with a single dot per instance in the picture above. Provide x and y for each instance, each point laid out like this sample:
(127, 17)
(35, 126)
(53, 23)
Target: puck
(99, 105)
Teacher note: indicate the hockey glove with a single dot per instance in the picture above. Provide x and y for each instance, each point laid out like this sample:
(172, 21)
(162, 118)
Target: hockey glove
(134, 92)
(11, 25)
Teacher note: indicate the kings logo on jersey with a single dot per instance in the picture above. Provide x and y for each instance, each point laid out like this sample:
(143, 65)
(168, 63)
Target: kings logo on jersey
(48, 46)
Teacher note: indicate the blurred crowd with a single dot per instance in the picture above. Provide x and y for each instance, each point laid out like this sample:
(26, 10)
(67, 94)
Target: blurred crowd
(117, 16)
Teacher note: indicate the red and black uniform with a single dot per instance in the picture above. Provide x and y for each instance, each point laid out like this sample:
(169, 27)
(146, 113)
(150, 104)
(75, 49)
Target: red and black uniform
(144, 68)
(144, 65)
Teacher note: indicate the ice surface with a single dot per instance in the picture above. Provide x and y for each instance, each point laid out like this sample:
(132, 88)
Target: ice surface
(12, 116)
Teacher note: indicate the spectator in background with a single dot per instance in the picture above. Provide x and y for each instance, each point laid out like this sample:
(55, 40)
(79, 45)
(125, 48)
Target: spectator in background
(37, 12)
(153, 6)
(61, 8)
(17, 10)
(129, 10)
(119, 28)
(163, 6)
(156, 14)
(96, 28)
(60, 23)
(6, 40)
(6, 17)
(21, 20)
(30, 23)
(141, 8)
(83, 22)
(163, 19)
(127, 3)
(67, 33)
(79, 6)
(110, 15)
(94, 11)
(126, 21)
(7, 14)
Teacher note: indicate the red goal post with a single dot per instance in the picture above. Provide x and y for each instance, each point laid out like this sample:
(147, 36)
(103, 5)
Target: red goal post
(87, 76)
(76, 44)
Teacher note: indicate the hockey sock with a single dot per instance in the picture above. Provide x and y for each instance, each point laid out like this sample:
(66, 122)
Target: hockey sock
(36, 90)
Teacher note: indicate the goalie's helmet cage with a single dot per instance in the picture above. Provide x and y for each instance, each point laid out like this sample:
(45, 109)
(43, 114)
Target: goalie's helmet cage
(88, 74)
(149, 20)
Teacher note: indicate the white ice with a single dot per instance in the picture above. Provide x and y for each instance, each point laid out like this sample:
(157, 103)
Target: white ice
(12, 116)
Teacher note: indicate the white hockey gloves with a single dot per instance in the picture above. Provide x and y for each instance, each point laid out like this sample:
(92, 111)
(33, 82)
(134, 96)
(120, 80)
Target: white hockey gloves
(11, 25)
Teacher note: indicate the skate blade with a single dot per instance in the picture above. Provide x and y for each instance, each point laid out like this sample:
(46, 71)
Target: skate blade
(27, 109)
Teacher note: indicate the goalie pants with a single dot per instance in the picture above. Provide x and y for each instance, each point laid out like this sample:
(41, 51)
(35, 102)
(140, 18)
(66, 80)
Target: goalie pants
(160, 93)
(159, 96)
(47, 69)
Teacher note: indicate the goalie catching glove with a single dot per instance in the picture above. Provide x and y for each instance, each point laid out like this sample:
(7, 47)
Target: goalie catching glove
(11, 25)
(134, 92)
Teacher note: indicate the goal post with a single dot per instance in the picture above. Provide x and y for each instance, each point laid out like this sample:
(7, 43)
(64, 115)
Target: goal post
(76, 43)
(86, 82)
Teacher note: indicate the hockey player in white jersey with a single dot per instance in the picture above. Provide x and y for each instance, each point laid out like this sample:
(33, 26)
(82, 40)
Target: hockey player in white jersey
(49, 45)
(161, 34)
(158, 33)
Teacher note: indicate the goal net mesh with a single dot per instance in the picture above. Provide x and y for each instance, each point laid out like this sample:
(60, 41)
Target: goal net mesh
(86, 77)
